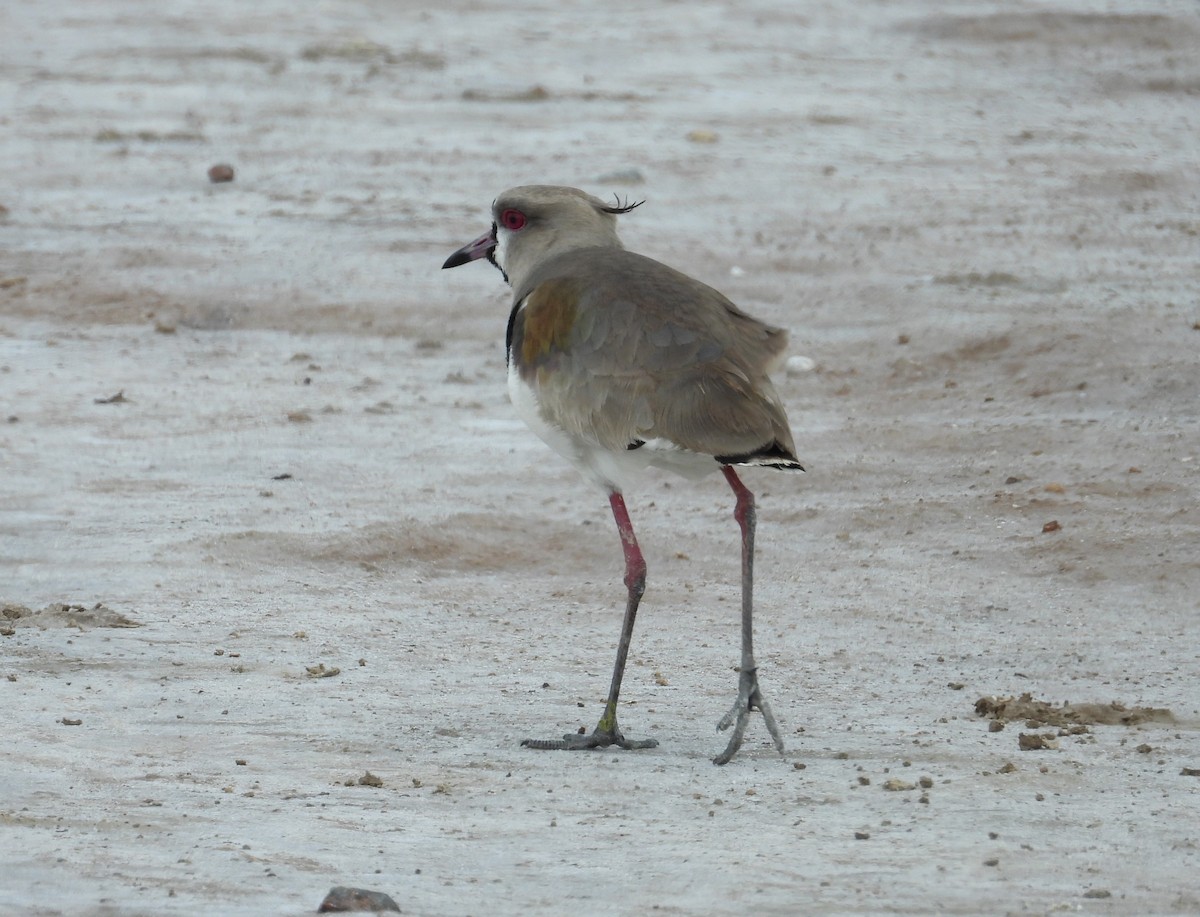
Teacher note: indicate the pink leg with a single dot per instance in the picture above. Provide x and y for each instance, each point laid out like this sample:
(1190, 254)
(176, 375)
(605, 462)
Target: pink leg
(635, 564)
(606, 731)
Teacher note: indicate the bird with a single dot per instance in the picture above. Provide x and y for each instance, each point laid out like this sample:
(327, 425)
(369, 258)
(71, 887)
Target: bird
(620, 363)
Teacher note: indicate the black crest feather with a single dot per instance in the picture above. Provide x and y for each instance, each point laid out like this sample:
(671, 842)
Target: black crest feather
(622, 206)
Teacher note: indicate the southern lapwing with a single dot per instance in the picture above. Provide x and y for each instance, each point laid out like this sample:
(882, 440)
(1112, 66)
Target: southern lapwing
(619, 362)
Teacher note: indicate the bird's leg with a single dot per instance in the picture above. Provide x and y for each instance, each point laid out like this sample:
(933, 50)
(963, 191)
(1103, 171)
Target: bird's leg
(749, 697)
(606, 732)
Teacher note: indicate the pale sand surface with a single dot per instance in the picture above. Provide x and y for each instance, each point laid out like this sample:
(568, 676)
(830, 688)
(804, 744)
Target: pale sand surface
(979, 221)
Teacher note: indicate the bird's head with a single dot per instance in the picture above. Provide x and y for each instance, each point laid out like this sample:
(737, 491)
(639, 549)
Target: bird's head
(535, 222)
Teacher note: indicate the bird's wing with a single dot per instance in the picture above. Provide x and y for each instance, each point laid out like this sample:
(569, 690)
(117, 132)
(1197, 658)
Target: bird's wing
(627, 350)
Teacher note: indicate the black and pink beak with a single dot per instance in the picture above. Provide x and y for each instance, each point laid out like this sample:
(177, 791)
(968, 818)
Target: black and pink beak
(473, 251)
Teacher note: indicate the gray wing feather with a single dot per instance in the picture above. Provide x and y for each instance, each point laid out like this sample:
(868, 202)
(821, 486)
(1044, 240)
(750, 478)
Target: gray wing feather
(655, 354)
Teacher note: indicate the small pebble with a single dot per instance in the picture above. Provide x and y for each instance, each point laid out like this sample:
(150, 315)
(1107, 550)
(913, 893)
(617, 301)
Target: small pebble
(798, 366)
(341, 900)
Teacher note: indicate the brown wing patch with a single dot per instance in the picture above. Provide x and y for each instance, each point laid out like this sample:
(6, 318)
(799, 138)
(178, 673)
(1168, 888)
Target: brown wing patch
(549, 315)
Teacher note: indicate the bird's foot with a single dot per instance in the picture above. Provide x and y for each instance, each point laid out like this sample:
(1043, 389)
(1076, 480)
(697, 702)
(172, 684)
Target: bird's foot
(749, 699)
(598, 738)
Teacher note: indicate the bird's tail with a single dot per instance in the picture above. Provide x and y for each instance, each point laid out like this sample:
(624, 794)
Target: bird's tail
(774, 455)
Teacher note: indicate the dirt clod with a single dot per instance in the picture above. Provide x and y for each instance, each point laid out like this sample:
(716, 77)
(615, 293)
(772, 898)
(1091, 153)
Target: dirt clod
(65, 614)
(1025, 707)
(319, 671)
(1036, 741)
(341, 900)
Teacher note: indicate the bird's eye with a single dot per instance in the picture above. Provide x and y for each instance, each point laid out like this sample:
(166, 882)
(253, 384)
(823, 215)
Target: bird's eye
(512, 220)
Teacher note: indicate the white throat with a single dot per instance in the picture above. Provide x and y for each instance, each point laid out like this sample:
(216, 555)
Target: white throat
(503, 240)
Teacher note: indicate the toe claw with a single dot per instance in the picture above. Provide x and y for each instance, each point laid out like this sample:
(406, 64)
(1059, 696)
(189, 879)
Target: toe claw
(750, 700)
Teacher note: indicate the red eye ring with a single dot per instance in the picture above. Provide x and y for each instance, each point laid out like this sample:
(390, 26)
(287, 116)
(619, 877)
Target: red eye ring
(512, 220)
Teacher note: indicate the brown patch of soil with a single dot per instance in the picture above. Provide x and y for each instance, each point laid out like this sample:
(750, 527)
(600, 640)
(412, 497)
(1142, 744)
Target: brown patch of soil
(1026, 707)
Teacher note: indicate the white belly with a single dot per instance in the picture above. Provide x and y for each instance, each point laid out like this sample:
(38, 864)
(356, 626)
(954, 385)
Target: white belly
(524, 399)
(610, 470)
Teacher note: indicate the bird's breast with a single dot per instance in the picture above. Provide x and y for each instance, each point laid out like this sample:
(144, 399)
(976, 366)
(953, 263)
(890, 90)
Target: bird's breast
(543, 322)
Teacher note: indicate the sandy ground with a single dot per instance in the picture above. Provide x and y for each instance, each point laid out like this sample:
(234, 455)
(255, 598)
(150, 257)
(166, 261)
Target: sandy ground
(979, 221)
